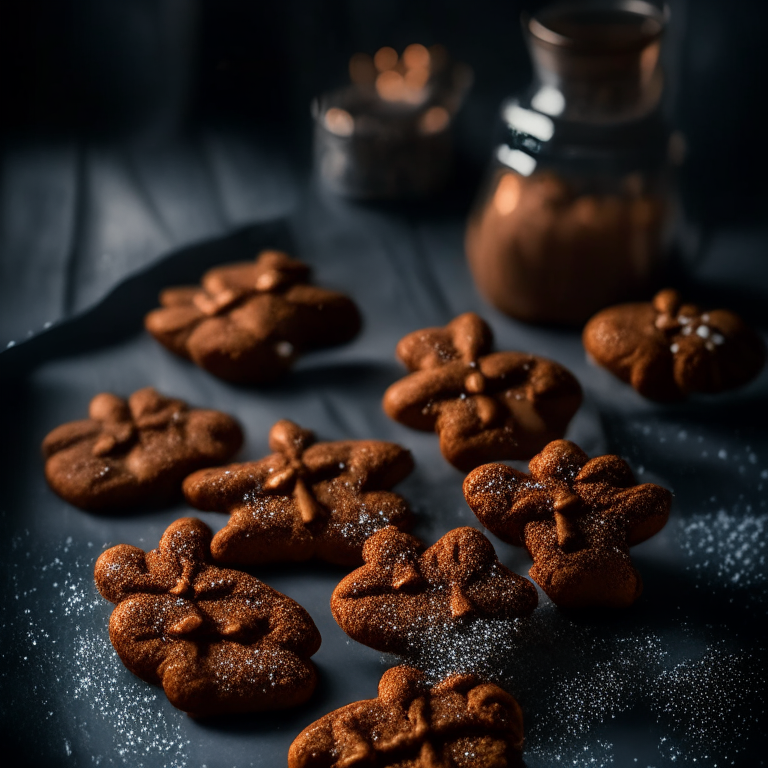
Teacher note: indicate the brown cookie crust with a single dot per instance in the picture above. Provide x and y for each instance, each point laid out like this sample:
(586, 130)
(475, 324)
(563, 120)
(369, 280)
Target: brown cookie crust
(135, 452)
(248, 322)
(305, 500)
(577, 517)
(667, 349)
(462, 722)
(484, 406)
(217, 640)
(403, 593)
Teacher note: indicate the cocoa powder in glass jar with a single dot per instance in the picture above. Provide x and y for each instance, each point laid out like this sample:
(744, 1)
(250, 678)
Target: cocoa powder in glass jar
(579, 207)
(541, 252)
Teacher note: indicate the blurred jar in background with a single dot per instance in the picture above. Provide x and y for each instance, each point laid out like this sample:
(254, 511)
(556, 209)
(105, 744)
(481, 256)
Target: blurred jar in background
(579, 207)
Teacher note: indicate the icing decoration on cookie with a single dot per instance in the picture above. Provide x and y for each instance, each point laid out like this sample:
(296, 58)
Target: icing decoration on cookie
(667, 349)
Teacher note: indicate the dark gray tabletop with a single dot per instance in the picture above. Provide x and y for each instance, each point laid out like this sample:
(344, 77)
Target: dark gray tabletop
(678, 679)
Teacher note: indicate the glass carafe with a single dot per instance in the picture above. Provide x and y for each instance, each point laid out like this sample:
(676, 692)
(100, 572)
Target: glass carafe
(578, 209)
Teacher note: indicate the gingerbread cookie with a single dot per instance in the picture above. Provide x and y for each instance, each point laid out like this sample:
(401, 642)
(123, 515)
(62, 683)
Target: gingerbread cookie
(248, 323)
(484, 406)
(305, 500)
(403, 594)
(462, 722)
(217, 640)
(668, 350)
(577, 517)
(135, 452)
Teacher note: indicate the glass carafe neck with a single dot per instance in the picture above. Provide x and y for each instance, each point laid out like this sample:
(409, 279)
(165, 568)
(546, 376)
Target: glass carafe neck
(597, 61)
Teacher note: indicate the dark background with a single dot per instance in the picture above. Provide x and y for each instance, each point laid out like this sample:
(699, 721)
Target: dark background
(133, 127)
(127, 67)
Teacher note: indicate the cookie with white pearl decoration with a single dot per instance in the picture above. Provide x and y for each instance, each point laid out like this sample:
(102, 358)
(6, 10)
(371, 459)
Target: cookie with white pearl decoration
(667, 349)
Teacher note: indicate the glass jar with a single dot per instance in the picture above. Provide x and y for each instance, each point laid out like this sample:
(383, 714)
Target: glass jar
(579, 206)
(389, 134)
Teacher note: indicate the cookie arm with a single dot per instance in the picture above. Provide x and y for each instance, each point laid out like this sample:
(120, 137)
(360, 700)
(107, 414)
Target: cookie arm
(492, 491)
(327, 317)
(173, 325)
(415, 399)
(647, 511)
(339, 738)
(123, 570)
(213, 434)
(68, 434)
(374, 464)
(291, 627)
(607, 483)
(504, 595)
(146, 630)
(217, 489)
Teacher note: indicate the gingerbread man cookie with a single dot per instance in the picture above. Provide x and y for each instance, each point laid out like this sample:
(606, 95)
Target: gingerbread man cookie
(577, 517)
(305, 500)
(135, 452)
(484, 406)
(403, 594)
(461, 722)
(668, 350)
(248, 323)
(217, 640)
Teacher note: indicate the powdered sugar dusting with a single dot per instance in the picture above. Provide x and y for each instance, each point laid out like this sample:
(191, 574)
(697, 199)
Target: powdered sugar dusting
(727, 551)
(710, 702)
(136, 726)
(675, 662)
(576, 683)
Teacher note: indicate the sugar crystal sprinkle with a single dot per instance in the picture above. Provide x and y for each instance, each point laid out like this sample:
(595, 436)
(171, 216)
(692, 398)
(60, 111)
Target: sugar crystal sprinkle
(574, 680)
(61, 637)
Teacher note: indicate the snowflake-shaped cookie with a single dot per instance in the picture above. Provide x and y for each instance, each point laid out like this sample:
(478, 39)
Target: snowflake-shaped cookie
(403, 595)
(217, 640)
(667, 350)
(248, 322)
(135, 452)
(484, 406)
(462, 722)
(577, 517)
(305, 500)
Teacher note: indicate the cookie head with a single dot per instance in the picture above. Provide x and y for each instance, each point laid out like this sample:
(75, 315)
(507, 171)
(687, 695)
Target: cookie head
(216, 640)
(135, 452)
(577, 517)
(404, 595)
(667, 349)
(483, 405)
(462, 721)
(249, 322)
(306, 500)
